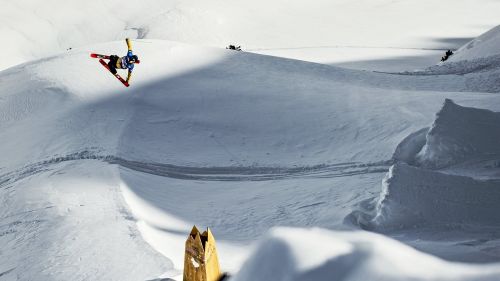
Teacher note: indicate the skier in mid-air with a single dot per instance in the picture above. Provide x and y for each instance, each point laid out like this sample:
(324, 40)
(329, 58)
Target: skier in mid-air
(116, 62)
(125, 62)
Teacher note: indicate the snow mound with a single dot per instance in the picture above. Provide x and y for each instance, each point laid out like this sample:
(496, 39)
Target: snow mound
(486, 45)
(412, 196)
(460, 133)
(316, 254)
(447, 179)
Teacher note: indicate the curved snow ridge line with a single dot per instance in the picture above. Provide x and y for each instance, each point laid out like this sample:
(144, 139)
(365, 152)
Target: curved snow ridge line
(230, 173)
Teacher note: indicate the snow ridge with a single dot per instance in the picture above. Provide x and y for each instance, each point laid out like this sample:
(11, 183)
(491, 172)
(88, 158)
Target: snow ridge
(418, 197)
(452, 181)
(460, 133)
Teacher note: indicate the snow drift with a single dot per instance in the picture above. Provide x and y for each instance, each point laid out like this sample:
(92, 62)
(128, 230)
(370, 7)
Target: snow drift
(459, 134)
(417, 197)
(453, 181)
(305, 255)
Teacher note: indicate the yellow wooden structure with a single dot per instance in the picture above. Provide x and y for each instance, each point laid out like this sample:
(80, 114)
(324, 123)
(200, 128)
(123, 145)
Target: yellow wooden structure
(201, 262)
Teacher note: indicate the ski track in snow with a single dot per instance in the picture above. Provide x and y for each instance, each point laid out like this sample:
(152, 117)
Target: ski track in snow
(232, 173)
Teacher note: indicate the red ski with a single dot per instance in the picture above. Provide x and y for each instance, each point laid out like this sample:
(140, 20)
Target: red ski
(97, 56)
(116, 75)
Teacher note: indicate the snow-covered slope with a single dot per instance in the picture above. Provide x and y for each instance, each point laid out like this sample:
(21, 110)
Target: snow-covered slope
(363, 32)
(240, 142)
(69, 221)
(485, 46)
(481, 55)
(261, 141)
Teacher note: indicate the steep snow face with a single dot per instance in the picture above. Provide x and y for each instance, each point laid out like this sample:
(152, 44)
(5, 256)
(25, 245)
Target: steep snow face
(459, 134)
(320, 255)
(485, 46)
(445, 180)
(414, 197)
(456, 178)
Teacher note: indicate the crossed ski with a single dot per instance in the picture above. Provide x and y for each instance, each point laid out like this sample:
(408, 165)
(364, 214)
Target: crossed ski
(101, 60)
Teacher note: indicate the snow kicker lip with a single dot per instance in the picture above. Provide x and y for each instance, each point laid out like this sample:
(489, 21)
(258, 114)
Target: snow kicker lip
(230, 173)
(444, 177)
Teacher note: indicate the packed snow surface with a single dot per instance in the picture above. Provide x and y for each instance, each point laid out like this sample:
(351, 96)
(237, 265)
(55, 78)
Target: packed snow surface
(103, 182)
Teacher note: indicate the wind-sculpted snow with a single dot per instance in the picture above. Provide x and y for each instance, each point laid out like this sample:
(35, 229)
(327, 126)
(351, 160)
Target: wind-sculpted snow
(416, 197)
(304, 255)
(448, 179)
(408, 148)
(459, 134)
